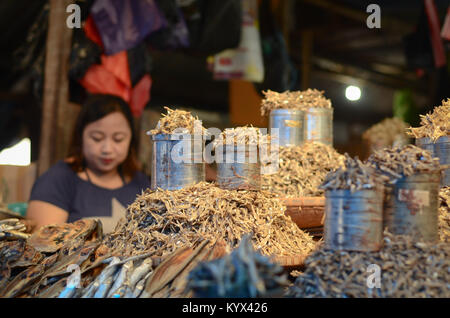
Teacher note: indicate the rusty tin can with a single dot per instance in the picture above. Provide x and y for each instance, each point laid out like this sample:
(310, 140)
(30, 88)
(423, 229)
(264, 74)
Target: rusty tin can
(439, 149)
(177, 161)
(318, 125)
(240, 167)
(354, 221)
(411, 206)
(290, 124)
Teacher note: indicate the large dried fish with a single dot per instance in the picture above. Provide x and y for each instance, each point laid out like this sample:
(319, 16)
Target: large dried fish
(243, 273)
(12, 229)
(160, 221)
(302, 169)
(293, 100)
(51, 238)
(435, 124)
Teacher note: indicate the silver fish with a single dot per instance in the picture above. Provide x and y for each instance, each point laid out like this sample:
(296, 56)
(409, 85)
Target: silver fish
(140, 272)
(121, 278)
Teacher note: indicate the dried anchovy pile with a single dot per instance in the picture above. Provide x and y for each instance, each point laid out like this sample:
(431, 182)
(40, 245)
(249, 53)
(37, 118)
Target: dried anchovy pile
(444, 214)
(163, 220)
(408, 269)
(386, 132)
(293, 100)
(302, 169)
(177, 119)
(243, 273)
(435, 124)
(242, 136)
(403, 161)
(354, 176)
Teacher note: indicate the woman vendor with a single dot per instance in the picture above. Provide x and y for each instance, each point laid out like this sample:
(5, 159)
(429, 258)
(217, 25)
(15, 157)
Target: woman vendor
(101, 168)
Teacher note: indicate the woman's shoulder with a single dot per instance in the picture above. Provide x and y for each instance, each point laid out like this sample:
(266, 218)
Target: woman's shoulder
(61, 169)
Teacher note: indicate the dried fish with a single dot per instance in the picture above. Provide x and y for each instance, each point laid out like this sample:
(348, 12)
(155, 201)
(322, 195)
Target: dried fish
(435, 124)
(293, 100)
(386, 133)
(354, 176)
(176, 121)
(408, 269)
(12, 229)
(444, 214)
(246, 135)
(243, 273)
(122, 280)
(302, 169)
(160, 221)
(403, 161)
(51, 238)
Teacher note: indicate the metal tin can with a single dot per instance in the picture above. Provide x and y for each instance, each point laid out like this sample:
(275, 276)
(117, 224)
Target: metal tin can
(177, 161)
(411, 206)
(240, 168)
(318, 125)
(290, 126)
(354, 221)
(439, 149)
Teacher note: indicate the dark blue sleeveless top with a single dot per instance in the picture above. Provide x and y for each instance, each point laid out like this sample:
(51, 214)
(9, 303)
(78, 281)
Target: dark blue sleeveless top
(62, 187)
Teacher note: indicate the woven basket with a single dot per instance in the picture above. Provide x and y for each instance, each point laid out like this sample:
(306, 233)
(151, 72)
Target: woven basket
(306, 212)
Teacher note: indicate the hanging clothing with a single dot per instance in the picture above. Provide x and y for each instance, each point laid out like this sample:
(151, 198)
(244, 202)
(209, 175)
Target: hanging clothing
(124, 24)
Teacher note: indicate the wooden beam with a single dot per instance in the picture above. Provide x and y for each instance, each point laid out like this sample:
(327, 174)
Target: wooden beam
(55, 95)
(347, 73)
(361, 15)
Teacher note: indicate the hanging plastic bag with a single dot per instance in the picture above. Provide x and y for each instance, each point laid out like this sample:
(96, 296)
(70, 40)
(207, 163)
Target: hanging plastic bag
(140, 95)
(176, 34)
(246, 61)
(445, 32)
(124, 24)
(110, 77)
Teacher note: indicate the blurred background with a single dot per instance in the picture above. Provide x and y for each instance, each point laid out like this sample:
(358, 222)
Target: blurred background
(214, 58)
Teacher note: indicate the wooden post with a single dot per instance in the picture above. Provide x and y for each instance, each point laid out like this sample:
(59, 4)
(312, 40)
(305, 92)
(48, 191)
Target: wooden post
(307, 46)
(55, 95)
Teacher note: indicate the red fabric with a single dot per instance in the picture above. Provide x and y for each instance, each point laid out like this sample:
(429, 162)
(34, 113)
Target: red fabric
(140, 95)
(436, 41)
(98, 80)
(91, 31)
(445, 33)
(112, 76)
(117, 64)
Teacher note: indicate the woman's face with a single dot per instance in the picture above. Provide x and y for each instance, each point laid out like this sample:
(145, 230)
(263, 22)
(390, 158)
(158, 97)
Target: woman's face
(106, 142)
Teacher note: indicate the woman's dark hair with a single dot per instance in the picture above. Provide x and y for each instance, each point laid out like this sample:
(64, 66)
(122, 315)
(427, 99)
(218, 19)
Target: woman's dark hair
(95, 108)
